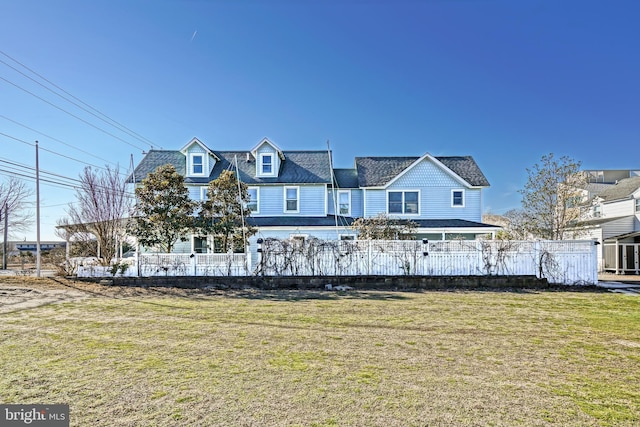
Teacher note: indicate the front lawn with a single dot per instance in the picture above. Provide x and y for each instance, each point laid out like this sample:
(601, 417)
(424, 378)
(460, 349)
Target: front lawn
(259, 358)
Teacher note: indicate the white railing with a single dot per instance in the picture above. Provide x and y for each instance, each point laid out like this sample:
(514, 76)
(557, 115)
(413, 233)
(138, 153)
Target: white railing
(150, 265)
(568, 262)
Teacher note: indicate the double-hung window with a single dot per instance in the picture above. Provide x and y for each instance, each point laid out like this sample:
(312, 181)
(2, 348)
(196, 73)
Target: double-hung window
(637, 205)
(291, 199)
(253, 199)
(197, 164)
(266, 164)
(403, 202)
(457, 198)
(344, 202)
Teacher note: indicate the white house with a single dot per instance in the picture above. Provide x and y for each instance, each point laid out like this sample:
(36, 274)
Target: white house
(614, 219)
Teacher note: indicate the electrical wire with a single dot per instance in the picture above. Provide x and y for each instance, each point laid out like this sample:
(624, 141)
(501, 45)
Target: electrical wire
(108, 120)
(71, 114)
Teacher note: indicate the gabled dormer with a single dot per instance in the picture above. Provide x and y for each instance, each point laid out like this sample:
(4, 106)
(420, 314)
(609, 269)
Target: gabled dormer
(268, 159)
(200, 160)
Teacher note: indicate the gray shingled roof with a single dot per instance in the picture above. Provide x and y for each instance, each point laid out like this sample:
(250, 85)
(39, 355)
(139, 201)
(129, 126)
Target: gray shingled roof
(623, 189)
(299, 167)
(346, 178)
(310, 167)
(378, 171)
(155, 158)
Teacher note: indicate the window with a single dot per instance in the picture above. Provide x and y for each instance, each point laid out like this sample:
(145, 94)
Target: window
(344, 202)
(266, 164)
(637, 205)
(349, 237)
(200, 245)
(197, 164)
(403, 202)
(253, 199)
(291, 199)
(597, 211)
(457, 198)
(203, 193)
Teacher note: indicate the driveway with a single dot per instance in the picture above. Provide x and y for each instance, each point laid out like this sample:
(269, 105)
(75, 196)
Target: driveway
(624, 284)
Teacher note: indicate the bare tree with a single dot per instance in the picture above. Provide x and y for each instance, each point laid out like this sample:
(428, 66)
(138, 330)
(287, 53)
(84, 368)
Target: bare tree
(14, 216)
(552, 197)
(382, 227)
(14, 204)
(102, 209)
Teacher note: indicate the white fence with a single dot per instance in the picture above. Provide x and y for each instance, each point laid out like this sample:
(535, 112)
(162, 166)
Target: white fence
(568, 262)
(150, 265)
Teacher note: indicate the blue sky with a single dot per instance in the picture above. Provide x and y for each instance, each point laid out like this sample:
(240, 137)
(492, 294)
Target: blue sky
(503, 81)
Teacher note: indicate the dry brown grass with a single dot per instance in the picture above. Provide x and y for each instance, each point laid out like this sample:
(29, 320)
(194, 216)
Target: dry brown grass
(132, 357)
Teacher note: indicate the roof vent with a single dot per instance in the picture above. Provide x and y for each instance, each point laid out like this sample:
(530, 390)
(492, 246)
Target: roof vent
(248, 157)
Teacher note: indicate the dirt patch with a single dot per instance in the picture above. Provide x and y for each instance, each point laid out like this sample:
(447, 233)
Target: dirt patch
(13, 298)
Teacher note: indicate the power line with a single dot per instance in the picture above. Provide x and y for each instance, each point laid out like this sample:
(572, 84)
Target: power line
(100, 115)
(71, 114)
(73, 183)
(53, 138)
(56, 153)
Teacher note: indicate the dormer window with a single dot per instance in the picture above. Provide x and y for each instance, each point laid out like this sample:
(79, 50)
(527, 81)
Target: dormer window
(266, 164)
(197, 164)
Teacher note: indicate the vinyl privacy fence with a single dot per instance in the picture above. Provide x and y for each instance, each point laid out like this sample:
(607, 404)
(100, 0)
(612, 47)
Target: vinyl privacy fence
(567, 262)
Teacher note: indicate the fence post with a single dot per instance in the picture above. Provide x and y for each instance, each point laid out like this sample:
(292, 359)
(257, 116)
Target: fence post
(369, 255)
(594, 260)
(536, 260)
(194, 264)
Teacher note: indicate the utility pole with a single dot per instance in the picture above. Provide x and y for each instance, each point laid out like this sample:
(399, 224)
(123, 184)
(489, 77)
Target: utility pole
(6, 226)
(37, 214)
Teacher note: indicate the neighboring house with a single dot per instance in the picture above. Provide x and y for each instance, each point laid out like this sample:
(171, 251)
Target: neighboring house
(299, 195)
(614, 218)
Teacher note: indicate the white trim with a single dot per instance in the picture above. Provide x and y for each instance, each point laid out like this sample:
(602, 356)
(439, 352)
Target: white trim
(403, 202)
(284, 196)
(364, 202)
(348, 213)
(252, 187)
(261, 163)
(279, 152)
(326, 199)
(461, 190)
